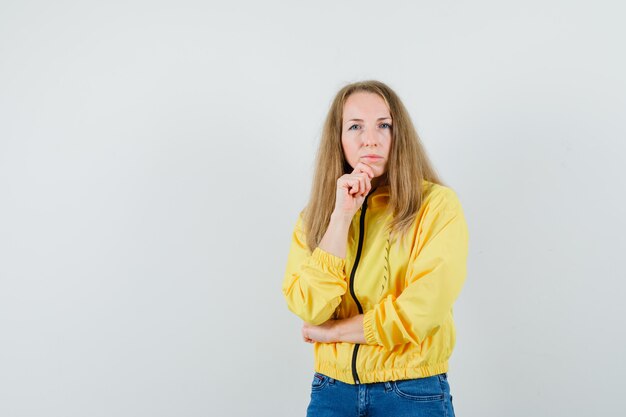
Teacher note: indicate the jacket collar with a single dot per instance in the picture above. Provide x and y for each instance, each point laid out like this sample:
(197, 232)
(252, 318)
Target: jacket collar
(380, 196)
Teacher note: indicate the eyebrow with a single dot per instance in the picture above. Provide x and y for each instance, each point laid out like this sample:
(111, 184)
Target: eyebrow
(360, 120)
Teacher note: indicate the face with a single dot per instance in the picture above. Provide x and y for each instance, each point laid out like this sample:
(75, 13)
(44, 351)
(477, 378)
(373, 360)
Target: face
(366, 131)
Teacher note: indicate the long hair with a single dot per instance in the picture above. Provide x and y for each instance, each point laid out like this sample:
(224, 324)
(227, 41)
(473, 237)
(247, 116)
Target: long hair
(407, 166)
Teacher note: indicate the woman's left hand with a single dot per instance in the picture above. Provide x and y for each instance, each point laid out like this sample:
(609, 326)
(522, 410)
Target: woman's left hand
(324, 333)
(342, 330)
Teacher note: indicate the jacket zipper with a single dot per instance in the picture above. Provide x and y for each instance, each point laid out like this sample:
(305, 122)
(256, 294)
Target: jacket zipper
(356, 264)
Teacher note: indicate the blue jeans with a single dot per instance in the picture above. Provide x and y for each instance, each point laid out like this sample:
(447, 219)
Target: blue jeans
(428, 396)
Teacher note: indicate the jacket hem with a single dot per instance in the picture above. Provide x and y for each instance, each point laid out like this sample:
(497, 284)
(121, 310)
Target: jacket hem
(382, 375)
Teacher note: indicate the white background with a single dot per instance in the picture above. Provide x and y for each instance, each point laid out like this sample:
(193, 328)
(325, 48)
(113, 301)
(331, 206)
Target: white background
(154, 156)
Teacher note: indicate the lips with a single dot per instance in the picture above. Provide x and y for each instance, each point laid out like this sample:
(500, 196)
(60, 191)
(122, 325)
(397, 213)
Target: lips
(372, 157)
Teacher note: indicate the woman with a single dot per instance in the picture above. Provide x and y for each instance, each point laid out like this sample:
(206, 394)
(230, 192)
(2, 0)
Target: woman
(377, 259)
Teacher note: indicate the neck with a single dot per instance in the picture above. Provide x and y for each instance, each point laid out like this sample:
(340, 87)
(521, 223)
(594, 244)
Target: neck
(378, 181)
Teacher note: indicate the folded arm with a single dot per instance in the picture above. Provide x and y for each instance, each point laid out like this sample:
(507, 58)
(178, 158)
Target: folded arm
(435, 276)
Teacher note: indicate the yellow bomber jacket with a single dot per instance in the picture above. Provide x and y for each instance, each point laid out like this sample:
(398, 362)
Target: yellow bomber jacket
(405, 289)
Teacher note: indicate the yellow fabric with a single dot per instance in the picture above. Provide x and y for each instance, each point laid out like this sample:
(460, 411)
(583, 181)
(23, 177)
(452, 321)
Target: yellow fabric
(406, 289)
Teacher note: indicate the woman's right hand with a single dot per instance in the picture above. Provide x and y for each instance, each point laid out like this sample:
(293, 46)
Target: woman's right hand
(352, 189)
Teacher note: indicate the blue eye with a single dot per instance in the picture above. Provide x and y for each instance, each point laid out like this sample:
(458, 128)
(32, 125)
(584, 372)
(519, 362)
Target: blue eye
(386, 124)
(350, 128)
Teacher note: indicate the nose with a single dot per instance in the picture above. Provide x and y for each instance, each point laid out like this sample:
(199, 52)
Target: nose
(369, 137)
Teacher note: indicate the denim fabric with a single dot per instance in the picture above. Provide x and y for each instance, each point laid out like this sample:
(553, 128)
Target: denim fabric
(428, 396)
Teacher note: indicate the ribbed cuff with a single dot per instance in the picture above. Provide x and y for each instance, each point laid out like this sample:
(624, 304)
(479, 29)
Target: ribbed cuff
(332, 262)
(368, 328)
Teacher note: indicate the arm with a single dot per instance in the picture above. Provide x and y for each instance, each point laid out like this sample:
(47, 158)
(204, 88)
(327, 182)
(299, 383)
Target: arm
(335, 240)
(315, 282)
(344, 330)
(435, 276)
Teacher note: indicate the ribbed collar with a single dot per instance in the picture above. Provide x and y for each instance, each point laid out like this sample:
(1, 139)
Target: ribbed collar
(380, 196)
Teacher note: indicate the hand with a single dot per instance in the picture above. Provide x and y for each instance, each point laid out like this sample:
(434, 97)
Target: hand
(324, 333)
(352, 189)
(348, 330)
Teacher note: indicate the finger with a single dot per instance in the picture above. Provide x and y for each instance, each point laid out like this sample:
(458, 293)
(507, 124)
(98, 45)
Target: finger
(354, 182)
(363, 175)
(342, 182)
(363, 167)
(366, 183)
(346, 183)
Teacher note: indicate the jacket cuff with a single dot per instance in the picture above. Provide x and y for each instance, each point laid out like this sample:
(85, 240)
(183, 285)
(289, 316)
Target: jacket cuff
(368, 328)
(333, 263)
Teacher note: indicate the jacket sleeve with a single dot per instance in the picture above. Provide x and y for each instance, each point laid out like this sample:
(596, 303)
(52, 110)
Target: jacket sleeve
(314, 282)
(435, 275)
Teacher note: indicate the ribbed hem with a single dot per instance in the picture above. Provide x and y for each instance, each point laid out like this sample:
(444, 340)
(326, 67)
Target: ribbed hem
(332, 262)
(382, 375)
(368, 328)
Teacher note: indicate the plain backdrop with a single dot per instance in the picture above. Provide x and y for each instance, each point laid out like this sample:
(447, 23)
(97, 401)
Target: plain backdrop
(154, 156)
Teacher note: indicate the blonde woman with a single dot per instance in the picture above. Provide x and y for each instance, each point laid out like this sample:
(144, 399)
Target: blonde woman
(377, 258)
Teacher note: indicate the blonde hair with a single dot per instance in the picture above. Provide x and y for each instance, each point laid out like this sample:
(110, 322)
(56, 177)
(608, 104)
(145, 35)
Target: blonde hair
(407, 166)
